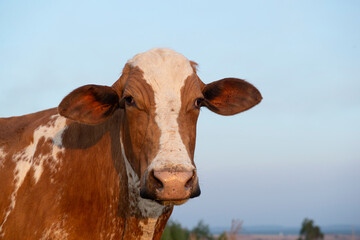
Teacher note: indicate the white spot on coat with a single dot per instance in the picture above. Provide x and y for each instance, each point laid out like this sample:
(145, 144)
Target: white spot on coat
(56, 231)
(2, 157)
(53, 131)
(21, 169)
(25, 160)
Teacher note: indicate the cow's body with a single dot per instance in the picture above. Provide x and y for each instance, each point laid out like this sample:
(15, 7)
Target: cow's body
(91, 198)
(69, 175)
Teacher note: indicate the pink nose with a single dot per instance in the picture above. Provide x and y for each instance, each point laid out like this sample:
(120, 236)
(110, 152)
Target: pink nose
(165, 185)
(175, 185)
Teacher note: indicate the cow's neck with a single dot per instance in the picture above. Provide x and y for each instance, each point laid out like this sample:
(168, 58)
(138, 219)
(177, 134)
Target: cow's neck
(146, 218)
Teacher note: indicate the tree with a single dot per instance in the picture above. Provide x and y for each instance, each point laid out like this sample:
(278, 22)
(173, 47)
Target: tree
(309, 231)
(174, 231)
(223, 236)
(201, 232)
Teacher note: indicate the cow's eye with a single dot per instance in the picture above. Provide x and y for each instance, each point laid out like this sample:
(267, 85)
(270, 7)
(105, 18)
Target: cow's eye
(129, 100)
(198, 103)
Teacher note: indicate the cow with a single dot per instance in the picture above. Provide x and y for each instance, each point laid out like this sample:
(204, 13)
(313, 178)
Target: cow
(111, 162)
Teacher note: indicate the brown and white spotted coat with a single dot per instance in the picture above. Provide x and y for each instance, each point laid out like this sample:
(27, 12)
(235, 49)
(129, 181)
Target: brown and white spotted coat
(111, 162)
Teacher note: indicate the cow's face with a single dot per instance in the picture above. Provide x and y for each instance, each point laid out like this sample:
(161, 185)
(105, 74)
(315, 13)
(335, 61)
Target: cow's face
(160, 95)
(161, 98)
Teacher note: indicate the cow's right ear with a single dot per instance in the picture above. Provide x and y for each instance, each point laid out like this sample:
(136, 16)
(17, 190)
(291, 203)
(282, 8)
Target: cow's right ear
(89, 104)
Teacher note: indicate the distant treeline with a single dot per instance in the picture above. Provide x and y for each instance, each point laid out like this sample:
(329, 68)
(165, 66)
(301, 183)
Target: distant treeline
(202, 231)
(276, 230)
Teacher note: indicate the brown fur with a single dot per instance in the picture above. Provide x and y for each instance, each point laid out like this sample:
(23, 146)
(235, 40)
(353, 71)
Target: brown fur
(139, 130)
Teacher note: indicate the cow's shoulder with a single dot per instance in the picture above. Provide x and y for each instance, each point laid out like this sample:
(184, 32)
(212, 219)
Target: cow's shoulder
(20, 129)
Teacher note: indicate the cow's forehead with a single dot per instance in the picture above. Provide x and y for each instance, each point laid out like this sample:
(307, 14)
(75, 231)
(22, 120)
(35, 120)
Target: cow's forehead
(163, 69)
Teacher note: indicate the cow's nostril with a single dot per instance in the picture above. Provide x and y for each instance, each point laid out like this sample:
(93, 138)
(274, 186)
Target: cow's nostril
(157, 182)
(191, 180)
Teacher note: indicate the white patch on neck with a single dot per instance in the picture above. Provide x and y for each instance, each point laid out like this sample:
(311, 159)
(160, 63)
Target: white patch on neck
(148, 208)
(166, 71)
(148, 228)
(26, 159)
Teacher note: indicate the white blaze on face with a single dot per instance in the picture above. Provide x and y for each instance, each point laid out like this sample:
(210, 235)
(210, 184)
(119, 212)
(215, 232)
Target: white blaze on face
(166, 71)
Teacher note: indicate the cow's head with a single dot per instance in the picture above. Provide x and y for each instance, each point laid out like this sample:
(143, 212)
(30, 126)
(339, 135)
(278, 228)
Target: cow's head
(160, 96)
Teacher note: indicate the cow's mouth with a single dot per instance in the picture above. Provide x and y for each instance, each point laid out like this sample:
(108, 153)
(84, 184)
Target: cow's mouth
(172, 202)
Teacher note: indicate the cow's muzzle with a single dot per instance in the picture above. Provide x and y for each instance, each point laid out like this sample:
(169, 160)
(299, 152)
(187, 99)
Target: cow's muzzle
(170, 187)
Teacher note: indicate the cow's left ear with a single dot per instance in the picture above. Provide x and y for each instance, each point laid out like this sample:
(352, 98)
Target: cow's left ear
(89, 104)
(230, 96)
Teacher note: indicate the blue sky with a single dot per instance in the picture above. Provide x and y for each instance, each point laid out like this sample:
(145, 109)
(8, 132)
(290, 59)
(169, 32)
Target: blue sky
(295, 155)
